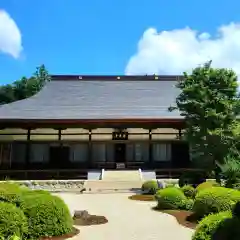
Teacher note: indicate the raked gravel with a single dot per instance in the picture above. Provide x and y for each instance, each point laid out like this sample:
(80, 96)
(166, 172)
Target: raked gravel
(128, 219)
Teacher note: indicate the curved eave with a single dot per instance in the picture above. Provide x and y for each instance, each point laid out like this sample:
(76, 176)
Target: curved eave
(91, 123)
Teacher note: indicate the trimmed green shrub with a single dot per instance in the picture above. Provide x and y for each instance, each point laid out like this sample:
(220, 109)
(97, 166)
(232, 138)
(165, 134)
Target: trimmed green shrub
(47, 215)
(150, 186)
(36, 192)
(11, 186)
(12, 221)
(207, 227)
(188, 204)
(189, 191)
(171, 198)
(204, 186)
(10, 193)
(214, 200)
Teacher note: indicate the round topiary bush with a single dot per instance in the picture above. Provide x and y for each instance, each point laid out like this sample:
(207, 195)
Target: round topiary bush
(12, 221)
(150, 187)
(189, 191)
(204, 186)
(36, 192)
(10, 192)
(207, 227)
(214, 200)
(47, 215)
(171, 198)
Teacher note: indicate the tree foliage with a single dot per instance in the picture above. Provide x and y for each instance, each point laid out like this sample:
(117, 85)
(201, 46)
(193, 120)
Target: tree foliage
(25, 87)
(230, 171)
(209, 103)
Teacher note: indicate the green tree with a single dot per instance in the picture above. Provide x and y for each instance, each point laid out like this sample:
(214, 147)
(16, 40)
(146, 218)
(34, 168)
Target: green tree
(6, 94)
(208, 102)
(25, 87)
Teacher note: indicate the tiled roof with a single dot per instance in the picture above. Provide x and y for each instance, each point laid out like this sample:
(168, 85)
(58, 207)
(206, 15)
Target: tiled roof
(97, 99)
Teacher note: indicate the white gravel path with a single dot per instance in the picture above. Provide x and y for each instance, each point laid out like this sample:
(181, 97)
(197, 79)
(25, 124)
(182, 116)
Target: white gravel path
(128, 219)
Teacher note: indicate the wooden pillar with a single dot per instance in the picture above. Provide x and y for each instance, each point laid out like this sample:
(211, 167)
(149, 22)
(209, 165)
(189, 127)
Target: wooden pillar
(150, 146)
(62, 162)
(90, 148)
(180, 133)
(28, 148)
(59, 134)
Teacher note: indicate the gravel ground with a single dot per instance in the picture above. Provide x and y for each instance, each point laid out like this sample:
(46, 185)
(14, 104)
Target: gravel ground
(128, 219)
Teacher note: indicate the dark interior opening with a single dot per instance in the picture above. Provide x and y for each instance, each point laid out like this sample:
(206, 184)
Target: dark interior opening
(120, 152)
(180, 155)
(59, 156)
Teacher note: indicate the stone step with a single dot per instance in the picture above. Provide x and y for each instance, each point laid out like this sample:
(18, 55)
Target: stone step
(121, 175)
(111, 185)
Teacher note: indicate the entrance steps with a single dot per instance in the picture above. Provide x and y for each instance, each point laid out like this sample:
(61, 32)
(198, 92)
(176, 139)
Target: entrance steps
(122, 175)
(115, 181)
(111, 186)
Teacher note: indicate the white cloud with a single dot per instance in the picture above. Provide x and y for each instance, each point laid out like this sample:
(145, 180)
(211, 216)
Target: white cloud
(10, 36)
(175, 51)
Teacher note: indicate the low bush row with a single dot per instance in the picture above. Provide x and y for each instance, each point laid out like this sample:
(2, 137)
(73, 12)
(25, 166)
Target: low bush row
(31, 214)
(150, 187)
(218, 207)
(214, 200)
(172, 198)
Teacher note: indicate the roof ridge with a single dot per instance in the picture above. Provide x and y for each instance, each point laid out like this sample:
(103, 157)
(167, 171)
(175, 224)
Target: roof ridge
(115, 77)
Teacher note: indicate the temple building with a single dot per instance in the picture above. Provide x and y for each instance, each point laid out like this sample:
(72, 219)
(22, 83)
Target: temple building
(76, 123)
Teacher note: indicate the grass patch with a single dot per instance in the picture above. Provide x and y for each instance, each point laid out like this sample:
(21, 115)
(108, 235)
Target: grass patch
(142, 197)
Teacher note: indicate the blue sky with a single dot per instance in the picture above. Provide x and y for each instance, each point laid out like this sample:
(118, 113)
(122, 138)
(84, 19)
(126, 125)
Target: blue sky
(102, 37)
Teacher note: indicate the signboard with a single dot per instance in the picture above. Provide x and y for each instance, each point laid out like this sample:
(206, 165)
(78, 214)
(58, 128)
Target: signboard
(120, 166)
(120, 135)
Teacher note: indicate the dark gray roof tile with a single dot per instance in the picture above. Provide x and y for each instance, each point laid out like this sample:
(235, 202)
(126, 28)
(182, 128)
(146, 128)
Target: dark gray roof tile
(116, 99)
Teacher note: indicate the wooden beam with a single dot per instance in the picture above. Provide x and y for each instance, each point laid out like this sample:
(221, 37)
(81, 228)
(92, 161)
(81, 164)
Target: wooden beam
(92, 124)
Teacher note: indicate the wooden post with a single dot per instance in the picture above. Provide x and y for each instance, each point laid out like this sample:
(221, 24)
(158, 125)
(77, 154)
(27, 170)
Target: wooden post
(150, 146)
(180, 133)
(59, 134)
(90, 148)
(28, 148)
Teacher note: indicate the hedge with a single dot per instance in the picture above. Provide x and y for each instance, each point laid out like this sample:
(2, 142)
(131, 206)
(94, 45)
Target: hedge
(189, 191)
(47, 215)
(10, 192)
(172, 198)
(150, 186)
(218, 226)
(204, 186)
(13, 222)
(214, 200)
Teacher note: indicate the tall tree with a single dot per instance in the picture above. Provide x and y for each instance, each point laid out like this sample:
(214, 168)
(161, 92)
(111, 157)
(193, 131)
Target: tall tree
(208, 101)
(25, 87)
